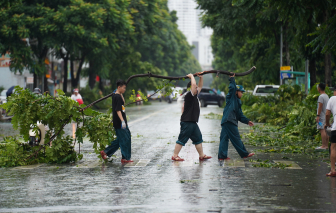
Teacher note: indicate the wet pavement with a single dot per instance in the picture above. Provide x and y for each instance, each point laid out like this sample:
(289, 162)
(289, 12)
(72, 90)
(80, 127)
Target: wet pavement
(153, 183)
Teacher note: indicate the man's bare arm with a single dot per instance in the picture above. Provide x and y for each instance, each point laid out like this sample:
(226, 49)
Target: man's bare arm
(320, 105)
(120, 116)
(328, 113)
(193, 84)
(200, 83)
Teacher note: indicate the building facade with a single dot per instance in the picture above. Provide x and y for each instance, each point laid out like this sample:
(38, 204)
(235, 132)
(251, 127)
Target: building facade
(190, 25)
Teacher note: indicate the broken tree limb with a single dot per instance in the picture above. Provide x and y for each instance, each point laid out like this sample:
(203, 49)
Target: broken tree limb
(184, 77)
(144, 75)
(172, 78)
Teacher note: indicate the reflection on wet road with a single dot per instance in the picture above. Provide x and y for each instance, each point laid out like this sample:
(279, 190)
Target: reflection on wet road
(153, 183)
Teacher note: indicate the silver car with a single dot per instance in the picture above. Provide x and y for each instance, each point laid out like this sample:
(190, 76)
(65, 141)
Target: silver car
(3, 97)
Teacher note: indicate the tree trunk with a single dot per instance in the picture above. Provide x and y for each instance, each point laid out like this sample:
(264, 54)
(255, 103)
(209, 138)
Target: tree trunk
(312, 71)
(101, 87)
(65, 74)
(327, 69)
(35, 80)
(92, 75)
(286, 45)
(45, 83)
(73, 80)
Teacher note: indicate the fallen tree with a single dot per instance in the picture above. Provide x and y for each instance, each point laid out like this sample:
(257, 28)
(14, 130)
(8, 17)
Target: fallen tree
(56, 112)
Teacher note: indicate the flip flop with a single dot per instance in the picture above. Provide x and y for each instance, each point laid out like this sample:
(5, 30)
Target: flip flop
(224, 159)
(331, 174)
(249, 155)
(126, 161)
(319, 148)
(205, 157)
(103, 155)
(177, 158)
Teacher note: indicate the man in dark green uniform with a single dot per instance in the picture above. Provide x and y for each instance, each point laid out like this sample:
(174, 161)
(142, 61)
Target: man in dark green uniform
(231, 115)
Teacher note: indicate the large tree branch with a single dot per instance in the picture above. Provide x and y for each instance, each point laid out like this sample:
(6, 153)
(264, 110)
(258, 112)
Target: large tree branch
(184, 77)
(172, 78)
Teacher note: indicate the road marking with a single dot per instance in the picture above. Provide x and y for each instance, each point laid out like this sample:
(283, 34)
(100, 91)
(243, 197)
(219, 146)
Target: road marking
(28, 167)
(147, 116)
(234, 163)
(138, 163)
(287, 162)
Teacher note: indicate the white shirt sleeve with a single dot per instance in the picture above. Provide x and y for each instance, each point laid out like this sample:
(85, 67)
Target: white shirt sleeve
(329, 104)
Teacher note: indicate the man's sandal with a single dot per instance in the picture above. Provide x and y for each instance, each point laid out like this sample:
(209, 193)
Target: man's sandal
(224, 159)
(103, 155)
(205, 157)
(249, 155)
(331, 174)
(177, 158)
(126, 161)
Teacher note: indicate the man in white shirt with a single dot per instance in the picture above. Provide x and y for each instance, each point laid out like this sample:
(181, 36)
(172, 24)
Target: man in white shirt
(331, 108)
(320, 117)
(77, 97)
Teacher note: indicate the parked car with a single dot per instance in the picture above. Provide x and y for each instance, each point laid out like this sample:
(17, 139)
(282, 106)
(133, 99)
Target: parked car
(3, 97)
(208, 96)
(156, 96)
(265, 90)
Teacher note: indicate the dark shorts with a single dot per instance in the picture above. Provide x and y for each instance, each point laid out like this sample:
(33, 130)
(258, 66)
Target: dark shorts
(189, 130)
(333, 137)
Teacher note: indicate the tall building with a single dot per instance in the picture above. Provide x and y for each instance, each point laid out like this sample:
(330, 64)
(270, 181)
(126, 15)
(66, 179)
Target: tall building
(191, 26)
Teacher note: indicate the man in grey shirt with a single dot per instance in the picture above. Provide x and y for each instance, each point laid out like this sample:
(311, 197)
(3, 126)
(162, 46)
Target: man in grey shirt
(320, 117)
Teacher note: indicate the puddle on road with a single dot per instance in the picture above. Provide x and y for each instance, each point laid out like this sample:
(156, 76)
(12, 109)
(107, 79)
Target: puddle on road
(183, 163)
(138, 163)
(88, 165)
(28, 167)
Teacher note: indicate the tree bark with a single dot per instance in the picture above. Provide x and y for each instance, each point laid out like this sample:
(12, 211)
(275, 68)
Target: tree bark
(73, 80)
(65, 74)
(92, 75)
(35, 80)
(46, 88)
(312, 71)
(286, 45)
(327, 69)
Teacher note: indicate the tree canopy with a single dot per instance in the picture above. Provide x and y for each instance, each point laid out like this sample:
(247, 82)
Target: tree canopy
(247, 32)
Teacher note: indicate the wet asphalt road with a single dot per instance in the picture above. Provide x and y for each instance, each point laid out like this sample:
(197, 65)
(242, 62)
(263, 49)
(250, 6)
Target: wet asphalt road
(153, 183)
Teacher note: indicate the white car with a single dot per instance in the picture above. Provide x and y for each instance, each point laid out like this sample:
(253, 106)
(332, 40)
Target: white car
(155, 96)
(265, 90)
(3, 97)
(177, 91)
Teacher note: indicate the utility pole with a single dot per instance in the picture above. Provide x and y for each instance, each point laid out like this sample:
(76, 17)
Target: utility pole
(281, 47)
(306, 76)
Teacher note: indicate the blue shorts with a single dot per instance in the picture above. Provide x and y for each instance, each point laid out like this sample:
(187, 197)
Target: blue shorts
(189, 130)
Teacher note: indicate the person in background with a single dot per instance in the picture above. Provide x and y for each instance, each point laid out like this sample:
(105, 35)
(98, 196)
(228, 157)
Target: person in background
(331, 108)
(320, 116)
(37, 91)
(77, 97)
